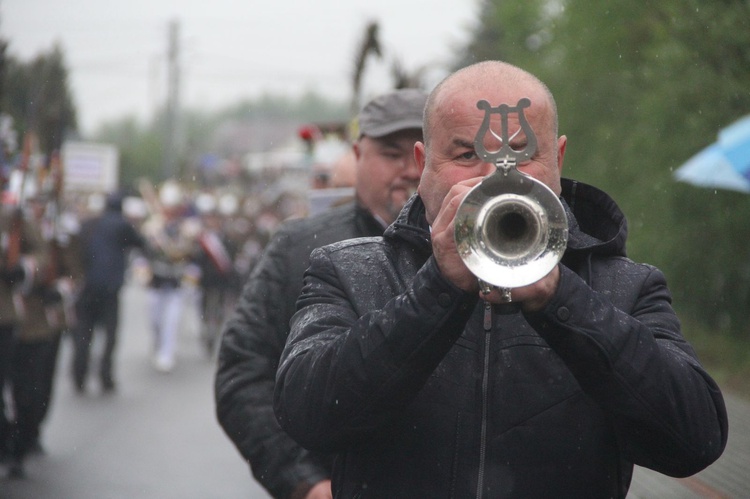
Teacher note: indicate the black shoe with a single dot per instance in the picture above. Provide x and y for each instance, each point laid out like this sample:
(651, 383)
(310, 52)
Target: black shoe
(80, 386)
(108, 386)
(16, 469)
(36, 448)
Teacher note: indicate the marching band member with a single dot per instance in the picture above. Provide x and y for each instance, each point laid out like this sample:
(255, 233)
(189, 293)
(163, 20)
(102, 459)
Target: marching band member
(170, 237)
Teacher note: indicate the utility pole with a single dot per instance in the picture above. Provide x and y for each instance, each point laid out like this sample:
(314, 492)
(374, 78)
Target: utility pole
(171, 115)
(3, 47)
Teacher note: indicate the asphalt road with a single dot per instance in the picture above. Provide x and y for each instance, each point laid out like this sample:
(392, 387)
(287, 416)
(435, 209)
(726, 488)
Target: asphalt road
(157, 437)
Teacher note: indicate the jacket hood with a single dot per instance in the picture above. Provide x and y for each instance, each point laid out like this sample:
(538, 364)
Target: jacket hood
(595, 222)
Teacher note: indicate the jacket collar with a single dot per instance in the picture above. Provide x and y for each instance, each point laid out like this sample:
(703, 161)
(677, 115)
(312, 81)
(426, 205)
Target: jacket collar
(595, 222)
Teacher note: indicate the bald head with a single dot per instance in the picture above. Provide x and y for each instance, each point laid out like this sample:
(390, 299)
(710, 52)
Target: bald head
(452, 122)
(484, 76)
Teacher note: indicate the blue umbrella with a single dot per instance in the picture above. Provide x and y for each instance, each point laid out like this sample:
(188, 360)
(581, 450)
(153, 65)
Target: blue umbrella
(725, 164)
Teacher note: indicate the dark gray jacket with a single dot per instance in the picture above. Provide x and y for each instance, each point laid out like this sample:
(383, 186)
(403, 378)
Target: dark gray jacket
(422, 391)
(105, 241)
(252, 343)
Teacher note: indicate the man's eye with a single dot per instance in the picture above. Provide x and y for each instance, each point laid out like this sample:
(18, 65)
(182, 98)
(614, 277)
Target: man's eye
(390, 152)
(392, 158)
(467, 155)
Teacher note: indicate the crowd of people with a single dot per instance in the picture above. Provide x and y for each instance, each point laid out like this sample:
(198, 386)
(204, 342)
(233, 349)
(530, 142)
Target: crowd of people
(357, 354)
(63, 264)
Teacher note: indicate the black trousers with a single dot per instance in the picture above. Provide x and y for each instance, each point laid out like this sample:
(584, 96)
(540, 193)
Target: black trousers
(95, 307)
(32, 375)
(7, 332)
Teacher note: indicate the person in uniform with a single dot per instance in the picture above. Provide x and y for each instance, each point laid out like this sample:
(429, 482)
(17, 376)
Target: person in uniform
(42, 301)
(170, 247)
(14, 249)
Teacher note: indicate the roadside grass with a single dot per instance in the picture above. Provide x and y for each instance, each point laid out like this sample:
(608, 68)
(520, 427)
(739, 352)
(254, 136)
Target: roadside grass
(725, 356)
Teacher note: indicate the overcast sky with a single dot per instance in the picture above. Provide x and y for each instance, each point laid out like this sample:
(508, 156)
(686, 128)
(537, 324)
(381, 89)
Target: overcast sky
(117, 50)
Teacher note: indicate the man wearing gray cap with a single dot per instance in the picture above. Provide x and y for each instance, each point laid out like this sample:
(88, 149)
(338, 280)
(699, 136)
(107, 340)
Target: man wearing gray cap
(254, 337)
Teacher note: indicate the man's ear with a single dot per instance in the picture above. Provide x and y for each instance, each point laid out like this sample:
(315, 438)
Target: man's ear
(420, 156)
(562, 143)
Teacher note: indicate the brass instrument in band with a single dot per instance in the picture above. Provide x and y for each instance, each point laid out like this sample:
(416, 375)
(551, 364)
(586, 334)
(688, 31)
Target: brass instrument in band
(510, 229)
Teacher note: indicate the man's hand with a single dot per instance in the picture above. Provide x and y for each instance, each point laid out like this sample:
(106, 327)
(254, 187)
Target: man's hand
(443, 243)
(321, 490)
(533, 297)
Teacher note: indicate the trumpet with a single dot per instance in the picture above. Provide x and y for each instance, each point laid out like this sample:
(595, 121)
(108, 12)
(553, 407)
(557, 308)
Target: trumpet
(510, 229)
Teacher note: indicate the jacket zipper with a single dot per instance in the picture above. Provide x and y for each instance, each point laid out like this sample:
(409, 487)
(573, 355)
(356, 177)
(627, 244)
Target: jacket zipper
(485, 403)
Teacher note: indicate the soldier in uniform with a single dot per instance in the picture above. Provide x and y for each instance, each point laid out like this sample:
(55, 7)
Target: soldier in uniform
(23, 255)
(11, 276)
(43, 302)
(11, 270)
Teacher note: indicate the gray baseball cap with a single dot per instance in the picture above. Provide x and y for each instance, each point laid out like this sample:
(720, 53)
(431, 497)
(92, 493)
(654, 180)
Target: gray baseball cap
(398, 110)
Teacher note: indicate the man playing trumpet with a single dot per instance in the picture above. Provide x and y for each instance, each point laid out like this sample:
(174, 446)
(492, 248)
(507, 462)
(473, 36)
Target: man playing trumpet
(401, 366)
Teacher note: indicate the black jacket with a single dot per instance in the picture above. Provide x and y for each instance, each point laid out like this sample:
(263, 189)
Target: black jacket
(421, 391)
(105, 241)
(254, 338)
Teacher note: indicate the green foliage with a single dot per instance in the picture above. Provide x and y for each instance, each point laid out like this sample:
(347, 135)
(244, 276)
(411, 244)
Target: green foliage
(36, 94)
(726, 357)
(309, 107)
(140, 149)
(640, 88)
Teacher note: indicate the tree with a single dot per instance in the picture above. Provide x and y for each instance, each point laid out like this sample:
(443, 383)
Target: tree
(140, 149)
(37, 96)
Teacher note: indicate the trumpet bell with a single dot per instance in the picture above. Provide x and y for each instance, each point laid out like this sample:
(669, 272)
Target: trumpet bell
(511, 230)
